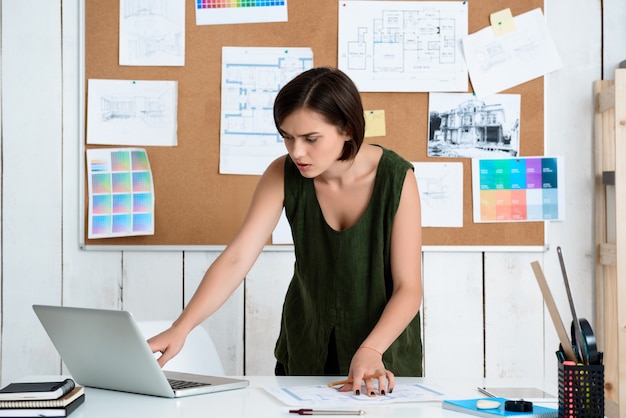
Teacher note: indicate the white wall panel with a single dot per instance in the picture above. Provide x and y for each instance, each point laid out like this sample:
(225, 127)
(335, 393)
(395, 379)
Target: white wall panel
(1, 114)
(514, 319)
(266, 286)
(90, 279)
(226, 326)
(93, 282)
(614, 42)
(32, 182)
(152, 285)
(452, 315)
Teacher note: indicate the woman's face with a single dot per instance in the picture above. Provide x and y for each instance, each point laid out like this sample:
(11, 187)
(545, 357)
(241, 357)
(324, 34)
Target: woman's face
(313, 144)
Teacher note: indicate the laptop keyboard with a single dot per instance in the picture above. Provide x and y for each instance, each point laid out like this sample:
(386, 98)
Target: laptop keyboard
(183, 384)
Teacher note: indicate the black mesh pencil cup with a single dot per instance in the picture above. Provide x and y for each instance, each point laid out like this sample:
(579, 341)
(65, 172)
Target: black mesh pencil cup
(581, 390)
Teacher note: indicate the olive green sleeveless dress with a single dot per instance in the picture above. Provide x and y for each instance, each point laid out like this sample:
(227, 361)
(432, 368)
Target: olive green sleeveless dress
(342, 279)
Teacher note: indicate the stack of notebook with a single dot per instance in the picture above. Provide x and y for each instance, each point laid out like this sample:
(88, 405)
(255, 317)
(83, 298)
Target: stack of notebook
(41, 399)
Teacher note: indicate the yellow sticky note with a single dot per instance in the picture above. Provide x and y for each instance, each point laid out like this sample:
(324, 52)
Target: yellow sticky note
(502, 22)
(374, 123)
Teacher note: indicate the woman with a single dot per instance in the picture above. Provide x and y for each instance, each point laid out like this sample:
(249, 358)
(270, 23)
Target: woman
(354, 213)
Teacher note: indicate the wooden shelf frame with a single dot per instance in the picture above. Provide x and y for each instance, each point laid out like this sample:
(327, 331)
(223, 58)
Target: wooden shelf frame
(610, 236)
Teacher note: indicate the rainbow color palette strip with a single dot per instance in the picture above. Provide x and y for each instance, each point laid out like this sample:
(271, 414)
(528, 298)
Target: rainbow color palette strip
(121, 193)
(219, 4)
(221, 12)
(518, 189)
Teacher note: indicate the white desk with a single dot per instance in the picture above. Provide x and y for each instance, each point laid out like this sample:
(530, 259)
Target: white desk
(252, 401)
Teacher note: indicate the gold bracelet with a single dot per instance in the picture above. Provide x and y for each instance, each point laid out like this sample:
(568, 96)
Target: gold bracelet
(373, 349)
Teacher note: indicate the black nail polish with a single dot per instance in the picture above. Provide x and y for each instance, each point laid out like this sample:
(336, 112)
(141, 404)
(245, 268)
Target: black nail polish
(358, 392)
(372, 393)
(390, 390)
(382, 392)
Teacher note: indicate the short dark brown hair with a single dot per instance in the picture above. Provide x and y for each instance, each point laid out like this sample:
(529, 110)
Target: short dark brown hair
(331, 93)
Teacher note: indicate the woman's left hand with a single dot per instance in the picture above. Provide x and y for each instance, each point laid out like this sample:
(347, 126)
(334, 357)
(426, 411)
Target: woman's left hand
(366, 363)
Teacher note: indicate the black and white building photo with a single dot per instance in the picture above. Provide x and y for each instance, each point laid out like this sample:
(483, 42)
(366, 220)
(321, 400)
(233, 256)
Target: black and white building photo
(462, 125)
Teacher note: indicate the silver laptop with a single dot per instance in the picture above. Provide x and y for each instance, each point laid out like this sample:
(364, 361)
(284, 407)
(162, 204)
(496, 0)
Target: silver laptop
(105, 349)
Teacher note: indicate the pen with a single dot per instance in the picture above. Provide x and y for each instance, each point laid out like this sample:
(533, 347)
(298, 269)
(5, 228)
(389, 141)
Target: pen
(325, 412)
(484, 391)
(346, 381)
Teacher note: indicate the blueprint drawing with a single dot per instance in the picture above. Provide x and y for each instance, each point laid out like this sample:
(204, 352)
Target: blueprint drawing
(387, 46)
(251, 79)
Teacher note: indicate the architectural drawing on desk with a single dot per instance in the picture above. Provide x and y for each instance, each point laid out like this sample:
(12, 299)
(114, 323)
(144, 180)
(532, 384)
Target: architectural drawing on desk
(441, 193)
(152, 32)
(132, 112)
(461, 125)
(251, 78)
(403, 46)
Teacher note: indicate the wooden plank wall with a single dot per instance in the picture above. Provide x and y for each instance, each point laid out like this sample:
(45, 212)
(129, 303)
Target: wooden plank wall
(483, 313)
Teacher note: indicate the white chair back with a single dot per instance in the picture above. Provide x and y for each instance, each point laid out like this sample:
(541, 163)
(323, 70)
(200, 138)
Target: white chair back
(197, 356)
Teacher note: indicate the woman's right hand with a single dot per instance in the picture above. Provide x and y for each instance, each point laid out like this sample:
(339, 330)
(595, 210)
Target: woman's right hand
(168, 343)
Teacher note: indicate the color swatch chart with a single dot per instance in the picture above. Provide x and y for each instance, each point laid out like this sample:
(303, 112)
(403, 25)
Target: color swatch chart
(121, 193)
(223, 12)
(518, 189)
(219, 4)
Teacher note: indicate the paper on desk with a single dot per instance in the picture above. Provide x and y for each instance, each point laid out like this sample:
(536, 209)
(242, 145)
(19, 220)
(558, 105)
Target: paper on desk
(322, 395)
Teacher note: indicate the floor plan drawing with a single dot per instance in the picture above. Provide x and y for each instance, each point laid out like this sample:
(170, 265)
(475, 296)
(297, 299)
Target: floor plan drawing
(403, 46)
(251, 78)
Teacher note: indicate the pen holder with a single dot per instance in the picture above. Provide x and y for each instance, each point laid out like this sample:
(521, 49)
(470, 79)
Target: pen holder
(581, 391)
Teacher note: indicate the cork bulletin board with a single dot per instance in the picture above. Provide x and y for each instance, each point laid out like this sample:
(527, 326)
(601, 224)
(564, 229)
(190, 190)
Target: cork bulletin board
(198, 207)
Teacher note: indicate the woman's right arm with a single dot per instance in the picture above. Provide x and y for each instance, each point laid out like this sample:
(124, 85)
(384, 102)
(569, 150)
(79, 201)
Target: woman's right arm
(229, 269)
